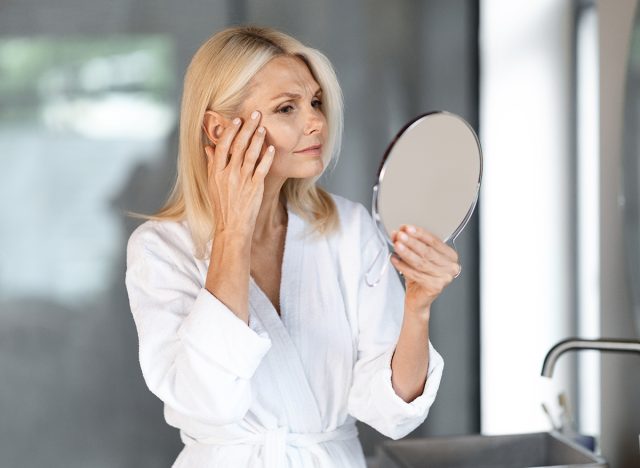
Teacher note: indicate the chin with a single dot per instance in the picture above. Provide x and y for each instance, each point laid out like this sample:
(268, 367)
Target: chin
(317, 170)
(307, 170)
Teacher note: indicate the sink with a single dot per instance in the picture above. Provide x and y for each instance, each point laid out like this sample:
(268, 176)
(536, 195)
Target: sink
(541, 449)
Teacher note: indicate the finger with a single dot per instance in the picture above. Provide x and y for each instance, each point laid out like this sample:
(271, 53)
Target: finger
(241, 141)
(423, 250)
(265, 163)
(252, 153)
(418, 262)
(433, 241)
(433, 281)
(209, 154)
(407, 270)
(221, 153)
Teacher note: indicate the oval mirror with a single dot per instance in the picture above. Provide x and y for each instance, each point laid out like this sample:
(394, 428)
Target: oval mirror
(430, 177)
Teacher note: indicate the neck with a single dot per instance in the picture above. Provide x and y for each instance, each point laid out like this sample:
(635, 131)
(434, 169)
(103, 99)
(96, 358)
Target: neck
(272, 217)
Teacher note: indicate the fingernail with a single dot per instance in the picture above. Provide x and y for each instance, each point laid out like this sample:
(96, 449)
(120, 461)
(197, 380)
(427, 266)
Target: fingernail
(236, 121)
(411, 229)
(403, 236)
(255, 115)
(261, 130)
(271, 149)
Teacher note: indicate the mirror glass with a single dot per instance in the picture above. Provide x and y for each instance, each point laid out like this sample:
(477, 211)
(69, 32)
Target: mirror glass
(429, 177)
(631, 169)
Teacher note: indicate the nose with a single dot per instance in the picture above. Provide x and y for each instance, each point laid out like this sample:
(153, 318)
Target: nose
(315, 122)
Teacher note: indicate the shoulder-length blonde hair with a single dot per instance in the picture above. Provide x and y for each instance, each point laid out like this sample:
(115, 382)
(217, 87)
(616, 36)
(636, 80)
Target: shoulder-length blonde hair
(216, 79)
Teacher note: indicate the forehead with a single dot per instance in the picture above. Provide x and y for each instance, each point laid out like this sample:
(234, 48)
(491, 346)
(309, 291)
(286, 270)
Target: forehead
(282, 74)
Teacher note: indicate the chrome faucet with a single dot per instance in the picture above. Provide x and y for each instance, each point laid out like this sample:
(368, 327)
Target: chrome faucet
(578, 344)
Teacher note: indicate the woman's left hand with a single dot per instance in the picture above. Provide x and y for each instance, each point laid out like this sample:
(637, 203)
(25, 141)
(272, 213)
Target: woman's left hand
(428, 264)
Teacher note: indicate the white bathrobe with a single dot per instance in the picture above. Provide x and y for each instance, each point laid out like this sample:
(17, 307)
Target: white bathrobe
(284, 390)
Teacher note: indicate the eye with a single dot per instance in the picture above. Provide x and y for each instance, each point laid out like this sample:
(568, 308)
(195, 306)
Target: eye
(317, 103)
(285, 109)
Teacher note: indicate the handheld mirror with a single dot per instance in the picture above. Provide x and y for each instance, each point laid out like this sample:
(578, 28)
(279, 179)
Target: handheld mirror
(430, 177)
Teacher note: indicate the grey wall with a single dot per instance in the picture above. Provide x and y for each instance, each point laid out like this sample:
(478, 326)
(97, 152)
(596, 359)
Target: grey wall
(620, 374)
(72, 394)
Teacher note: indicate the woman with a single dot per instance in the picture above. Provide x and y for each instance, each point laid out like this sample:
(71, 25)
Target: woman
(255, 325)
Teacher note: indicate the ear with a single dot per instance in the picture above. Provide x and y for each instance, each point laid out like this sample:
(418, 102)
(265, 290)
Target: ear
(213, 124)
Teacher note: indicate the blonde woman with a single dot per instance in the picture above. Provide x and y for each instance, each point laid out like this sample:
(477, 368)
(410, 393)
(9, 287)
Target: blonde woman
(255, 325)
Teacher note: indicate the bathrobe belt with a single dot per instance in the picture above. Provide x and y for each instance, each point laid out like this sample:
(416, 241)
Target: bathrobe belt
(275, 442)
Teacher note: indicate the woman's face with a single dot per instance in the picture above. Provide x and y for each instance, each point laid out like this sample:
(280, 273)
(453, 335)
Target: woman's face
(289, 99)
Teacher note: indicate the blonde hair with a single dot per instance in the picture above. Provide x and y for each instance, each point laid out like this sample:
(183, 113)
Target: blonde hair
(216, 79)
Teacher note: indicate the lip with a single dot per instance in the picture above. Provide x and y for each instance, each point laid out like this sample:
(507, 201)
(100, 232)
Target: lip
(312, 150)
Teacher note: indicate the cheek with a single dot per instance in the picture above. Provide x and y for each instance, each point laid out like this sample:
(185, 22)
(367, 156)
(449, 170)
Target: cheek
(283, 136)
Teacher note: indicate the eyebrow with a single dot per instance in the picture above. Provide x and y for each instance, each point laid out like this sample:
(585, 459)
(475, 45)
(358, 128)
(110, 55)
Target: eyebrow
(294, 95)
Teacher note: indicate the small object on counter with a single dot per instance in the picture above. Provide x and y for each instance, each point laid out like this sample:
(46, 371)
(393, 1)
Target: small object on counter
(554, 426)
(566, 418)
(567, 425)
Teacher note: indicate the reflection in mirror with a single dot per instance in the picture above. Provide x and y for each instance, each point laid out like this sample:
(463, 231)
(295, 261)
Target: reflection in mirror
(429, 177)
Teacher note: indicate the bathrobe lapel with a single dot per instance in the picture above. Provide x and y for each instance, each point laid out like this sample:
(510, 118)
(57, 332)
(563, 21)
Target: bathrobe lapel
(283, 363)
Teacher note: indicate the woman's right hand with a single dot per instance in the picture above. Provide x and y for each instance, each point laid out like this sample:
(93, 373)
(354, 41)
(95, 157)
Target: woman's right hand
(236, 186)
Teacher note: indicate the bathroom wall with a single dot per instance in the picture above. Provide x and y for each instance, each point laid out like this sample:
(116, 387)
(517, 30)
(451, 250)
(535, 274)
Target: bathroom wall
(620, 406)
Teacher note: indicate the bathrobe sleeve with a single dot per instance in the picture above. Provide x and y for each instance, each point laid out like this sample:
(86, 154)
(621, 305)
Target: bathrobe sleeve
(196, 355)
(380, 310)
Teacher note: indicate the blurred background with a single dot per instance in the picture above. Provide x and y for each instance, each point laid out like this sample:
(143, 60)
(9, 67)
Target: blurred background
(89, 107)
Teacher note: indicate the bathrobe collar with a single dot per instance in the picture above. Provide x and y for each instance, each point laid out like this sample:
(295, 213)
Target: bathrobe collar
(303, 414)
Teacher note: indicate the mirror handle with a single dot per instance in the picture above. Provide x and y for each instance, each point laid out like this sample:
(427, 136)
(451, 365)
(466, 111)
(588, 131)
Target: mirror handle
(453, 245)
(370, 283)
